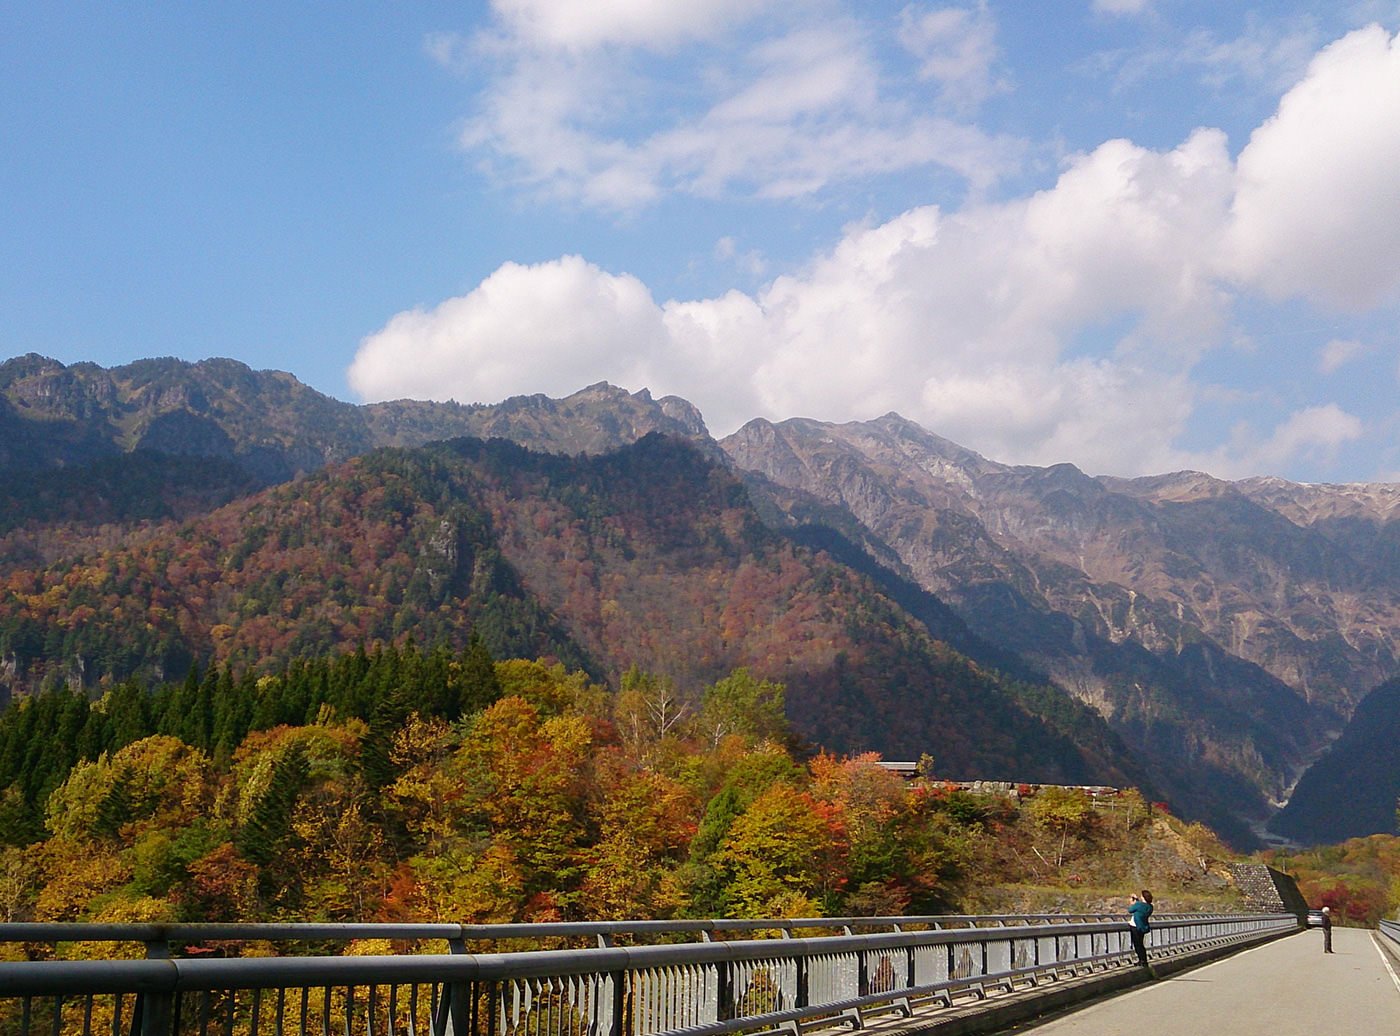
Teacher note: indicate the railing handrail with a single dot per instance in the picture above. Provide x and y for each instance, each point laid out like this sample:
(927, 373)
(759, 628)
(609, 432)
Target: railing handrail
(709, 988)
(199, 932)
(163, 975)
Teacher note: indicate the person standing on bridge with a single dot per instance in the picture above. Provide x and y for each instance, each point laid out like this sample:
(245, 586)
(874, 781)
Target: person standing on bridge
(1326, 929)
(1139, 911)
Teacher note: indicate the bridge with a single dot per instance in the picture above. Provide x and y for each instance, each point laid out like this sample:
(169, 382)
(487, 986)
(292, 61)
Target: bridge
(697, 978)
(1284, 988)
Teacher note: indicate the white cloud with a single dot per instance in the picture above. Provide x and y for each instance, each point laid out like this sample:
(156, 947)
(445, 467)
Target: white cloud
(1314, 431)
(1317, 209)
(581, 24)
(791, 113)
(1264, 60)
(1066, 325)
(1336, 354)
(553, 327)
(1267, 55)
(957, 47)
(961, 321)
(1121, 6)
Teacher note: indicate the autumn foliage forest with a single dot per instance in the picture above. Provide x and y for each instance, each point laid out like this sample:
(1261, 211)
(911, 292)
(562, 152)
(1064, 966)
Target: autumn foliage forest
(650, 557)
(324, 701)
(419, 784)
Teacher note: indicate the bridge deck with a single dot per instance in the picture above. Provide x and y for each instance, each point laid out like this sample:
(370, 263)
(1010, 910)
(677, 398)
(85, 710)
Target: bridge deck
(1285, 988)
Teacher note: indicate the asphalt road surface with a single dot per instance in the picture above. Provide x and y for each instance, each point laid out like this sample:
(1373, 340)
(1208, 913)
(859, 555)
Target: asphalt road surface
(1288, 987)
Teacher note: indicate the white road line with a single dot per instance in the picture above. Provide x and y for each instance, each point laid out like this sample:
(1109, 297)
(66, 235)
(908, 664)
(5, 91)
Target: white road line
(1385, 959)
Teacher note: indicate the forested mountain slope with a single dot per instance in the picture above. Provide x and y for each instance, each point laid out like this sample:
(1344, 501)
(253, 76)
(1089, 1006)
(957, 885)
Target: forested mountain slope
(651, 556)
(1225, 630)
(1355, 785)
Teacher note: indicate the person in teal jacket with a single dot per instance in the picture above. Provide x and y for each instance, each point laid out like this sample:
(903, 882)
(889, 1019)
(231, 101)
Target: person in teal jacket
(1139, 911)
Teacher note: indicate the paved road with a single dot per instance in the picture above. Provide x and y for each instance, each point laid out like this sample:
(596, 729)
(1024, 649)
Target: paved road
(1285, 988)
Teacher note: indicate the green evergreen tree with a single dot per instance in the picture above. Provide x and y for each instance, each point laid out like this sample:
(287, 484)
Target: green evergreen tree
(269, 821)
(704, 879)
(479, 686)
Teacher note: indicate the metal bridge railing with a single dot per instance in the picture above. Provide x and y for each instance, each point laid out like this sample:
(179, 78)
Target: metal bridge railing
(1389, 929)
(164, 940)
(691, 989)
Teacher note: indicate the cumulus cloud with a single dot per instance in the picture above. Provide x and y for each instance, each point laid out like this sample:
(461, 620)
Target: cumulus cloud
(972, 312)
(1066, 325)
(1317, 205)
(554, 327)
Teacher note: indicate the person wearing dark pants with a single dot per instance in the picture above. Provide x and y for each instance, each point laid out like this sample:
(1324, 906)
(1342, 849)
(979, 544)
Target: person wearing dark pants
(1326, 929)
(1139, 911)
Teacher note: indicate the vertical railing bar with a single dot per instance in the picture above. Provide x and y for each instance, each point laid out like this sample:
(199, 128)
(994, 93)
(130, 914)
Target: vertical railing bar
(253, 1024)
(205, 1002)
(232, 1003)
(678, 980)
(661, 1005)
(57, 1015)
(442, 1004)
(305, 1007)
(370, 1009)
(349, 1007)
(391, 1029)
(117, 1013)
(680, 1013)
(326, 1012)
(413, 1009)
(87, 1015)
(281, 1009)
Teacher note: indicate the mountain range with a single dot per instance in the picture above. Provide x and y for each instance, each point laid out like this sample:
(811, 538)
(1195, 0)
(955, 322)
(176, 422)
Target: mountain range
(1205, 640)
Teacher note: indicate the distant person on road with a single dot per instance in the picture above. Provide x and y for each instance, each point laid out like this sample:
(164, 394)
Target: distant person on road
(1139, 911)
(1326, 929)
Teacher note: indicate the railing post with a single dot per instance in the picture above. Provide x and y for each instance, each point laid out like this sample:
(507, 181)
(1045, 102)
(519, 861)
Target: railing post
(619, 1024)
(154, 1014)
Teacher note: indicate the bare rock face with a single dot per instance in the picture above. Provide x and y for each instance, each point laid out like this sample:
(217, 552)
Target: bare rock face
(593, 421)
(1226, 629)
(54, 416)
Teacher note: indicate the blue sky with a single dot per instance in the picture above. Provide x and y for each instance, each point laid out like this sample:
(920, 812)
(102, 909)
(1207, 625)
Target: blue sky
(1135, 235)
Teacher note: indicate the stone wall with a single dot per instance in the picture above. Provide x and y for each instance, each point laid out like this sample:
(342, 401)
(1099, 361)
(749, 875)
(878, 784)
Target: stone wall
(1267, 890)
